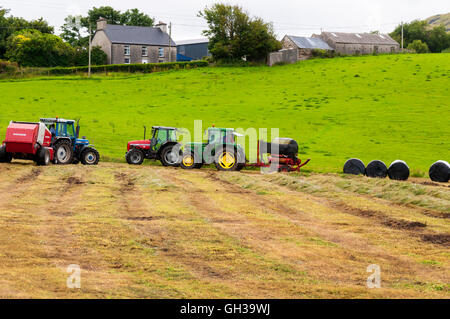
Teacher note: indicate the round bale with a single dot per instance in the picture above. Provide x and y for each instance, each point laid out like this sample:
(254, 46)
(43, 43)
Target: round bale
(440, 172)
(354, 166)
(376, 169)
(398, 170)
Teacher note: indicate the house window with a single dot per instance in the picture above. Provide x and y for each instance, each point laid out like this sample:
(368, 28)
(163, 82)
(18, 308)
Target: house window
(127, 61)
(126, 50)
(144, 51)
(375, 49)
(161, 52)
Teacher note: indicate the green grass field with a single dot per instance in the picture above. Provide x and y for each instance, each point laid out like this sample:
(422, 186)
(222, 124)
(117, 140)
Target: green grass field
(375, 107)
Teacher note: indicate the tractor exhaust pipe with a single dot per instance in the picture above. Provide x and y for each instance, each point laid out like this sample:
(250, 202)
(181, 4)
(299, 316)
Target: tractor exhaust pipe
(77, 132)
(145, 131)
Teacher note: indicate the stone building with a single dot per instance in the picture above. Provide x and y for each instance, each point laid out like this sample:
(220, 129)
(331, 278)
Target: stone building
(360, 43)
(130, 44)
(304, 45)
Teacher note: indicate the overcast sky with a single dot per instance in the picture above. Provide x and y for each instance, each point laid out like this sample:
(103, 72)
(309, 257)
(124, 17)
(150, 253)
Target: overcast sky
(294, 17)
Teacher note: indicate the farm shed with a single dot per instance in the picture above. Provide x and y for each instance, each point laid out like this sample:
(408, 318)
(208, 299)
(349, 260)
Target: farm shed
(282, 56)
(304, 45)
(189, 50)
(360, 43)
(130, 44)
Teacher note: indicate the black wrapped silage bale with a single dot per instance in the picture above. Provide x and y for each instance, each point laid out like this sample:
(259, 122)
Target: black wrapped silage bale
(440, 172)
(376, 169)
(398, 170)
(354, 166)
(280, 146)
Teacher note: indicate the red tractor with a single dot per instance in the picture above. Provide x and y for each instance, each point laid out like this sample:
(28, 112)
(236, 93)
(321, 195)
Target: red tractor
(30, 141)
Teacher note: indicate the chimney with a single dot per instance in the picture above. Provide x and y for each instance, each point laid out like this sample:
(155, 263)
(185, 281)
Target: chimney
(101, 24)
(162, 26)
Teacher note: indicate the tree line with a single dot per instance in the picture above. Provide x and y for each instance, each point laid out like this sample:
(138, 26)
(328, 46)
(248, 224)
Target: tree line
(34, 44)
(418, 36)
(233, 35)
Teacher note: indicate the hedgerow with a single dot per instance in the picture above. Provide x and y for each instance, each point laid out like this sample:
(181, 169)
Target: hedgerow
(128, 68)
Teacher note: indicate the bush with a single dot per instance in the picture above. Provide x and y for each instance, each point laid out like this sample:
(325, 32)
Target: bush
(128, 68)
(418, 46)
(8, 67)
(318, 53)
(446, 50)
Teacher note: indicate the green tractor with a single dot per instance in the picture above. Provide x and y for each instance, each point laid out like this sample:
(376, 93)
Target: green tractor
(221, 149)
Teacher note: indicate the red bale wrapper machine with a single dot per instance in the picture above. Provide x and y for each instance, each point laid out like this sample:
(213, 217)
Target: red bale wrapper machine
(29, 141)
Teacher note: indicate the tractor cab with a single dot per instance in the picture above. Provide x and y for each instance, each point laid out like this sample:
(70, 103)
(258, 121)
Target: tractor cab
(68, 146)
(162, 135)
(221, 135)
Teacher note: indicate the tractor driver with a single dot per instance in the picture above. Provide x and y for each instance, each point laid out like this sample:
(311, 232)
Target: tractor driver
(52, 130)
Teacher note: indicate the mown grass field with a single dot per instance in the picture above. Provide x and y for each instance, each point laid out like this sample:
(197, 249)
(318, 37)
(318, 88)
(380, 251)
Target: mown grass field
(155, 232)
(375, 107)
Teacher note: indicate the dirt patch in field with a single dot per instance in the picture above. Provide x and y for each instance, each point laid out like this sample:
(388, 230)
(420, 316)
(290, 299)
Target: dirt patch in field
(126, 182)
(229, 186)
(62, 214)
(434, 184)
(381, 218)
(440, 239)
(35, 172)
(435, 214)
(72, 180)
(142, 218)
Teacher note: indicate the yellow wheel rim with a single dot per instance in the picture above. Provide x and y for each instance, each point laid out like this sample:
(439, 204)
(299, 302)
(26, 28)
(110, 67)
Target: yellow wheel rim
(227, 160)
(188, 160)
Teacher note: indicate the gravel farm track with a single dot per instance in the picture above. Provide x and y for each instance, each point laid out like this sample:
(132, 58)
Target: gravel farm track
(155, 232)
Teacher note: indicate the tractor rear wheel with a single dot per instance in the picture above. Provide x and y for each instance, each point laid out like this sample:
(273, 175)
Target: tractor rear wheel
(90, 156)
(4, 156)
(135, 157)
(63, 152)
(43, 157)
(169, 157)
(226, 160)
(188, 161)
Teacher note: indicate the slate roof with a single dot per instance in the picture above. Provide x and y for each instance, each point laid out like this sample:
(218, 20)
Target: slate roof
(309, 43)
(137, 35)
(360, 38)
(196, 41)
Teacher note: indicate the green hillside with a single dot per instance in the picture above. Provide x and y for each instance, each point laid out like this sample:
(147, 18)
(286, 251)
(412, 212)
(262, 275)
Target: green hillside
(375, 107)
(439, 19)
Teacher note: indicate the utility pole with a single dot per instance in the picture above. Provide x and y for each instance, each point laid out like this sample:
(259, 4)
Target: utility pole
(170, 41)
(402, 36)
(90, 49)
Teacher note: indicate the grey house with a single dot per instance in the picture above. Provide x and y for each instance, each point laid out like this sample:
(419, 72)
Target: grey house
(360, 43)
(130, 44)
(188, 50)
(304, 45)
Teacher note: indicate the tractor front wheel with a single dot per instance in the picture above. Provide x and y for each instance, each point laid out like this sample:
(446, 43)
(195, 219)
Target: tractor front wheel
(135, 157)
(226, 160)
(169, 157)
(43, 157)
(90, 156)
(188, 161)
(63, 152)
(4, 156)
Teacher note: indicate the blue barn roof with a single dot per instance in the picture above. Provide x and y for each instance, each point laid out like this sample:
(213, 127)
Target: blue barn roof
(310, 43)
